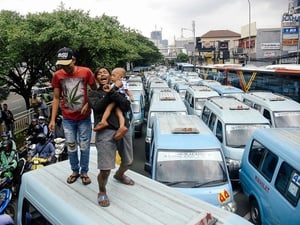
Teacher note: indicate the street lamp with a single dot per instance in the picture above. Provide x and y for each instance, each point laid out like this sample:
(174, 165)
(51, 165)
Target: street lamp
(249, 31)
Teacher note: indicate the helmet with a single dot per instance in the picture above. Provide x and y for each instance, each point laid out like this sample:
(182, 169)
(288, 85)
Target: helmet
(34, 120)
(5, 135)
(7, 145)
(41, 138)
(37, 129)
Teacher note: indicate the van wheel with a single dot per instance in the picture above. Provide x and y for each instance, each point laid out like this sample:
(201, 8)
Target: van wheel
(254, 212)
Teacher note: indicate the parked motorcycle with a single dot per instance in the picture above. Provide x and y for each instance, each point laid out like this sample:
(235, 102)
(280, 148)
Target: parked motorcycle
(5, 200)
(36, 163)
(61, 152)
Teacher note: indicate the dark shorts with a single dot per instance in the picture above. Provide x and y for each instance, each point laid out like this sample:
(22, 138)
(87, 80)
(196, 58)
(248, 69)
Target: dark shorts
(106, 149)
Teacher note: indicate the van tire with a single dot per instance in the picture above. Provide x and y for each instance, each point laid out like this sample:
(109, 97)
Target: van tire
(254, 212)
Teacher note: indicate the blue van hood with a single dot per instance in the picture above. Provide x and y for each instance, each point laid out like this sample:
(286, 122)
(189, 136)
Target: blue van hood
(217, 196)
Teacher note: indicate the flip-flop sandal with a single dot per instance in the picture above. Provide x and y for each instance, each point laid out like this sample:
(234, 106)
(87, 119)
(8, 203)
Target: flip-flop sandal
(85, 179)
(103, 200)
(124, 180)
(72, 178)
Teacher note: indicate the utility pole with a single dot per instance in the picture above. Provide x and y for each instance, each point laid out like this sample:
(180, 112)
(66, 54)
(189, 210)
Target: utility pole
(249, 32)
(194, 37)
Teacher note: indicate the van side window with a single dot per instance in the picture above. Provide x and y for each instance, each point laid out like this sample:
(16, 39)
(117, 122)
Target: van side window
(288, 183)
(247, 102)
(257, 107)
(31, 216)
(267, 115)
(192, 102)
(205, 114)
(269, 165)
(263, 160)
(212, 120)
(256, 154)
(219, 131)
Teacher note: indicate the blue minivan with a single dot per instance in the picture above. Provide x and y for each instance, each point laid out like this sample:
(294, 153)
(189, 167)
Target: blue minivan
(187, 156)
(270, 176)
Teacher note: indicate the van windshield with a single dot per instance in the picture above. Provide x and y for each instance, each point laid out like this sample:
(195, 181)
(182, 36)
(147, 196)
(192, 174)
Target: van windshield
(191, 169)
(287, 119)
(199, 102)
(153, 114)
(237, 135)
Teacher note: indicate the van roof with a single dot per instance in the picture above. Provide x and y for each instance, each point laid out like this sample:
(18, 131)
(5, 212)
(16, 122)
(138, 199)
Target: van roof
(231, 110)
(201, 91)
(273, 101)
(171, 129)
(226, 89)
(166, 100)
(285, 140)
(147, 202)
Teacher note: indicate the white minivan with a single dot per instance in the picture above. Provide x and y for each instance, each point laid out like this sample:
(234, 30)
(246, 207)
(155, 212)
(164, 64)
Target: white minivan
(233, 123)
(281, 111)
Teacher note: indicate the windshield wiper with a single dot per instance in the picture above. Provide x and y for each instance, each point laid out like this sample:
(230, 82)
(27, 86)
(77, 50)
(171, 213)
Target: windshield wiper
(209, 183)
(172, 183)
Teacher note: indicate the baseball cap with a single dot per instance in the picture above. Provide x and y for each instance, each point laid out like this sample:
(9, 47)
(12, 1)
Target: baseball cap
(64, 56)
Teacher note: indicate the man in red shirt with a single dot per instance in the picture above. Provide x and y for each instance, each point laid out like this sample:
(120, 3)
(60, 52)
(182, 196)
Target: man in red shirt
(70, 84)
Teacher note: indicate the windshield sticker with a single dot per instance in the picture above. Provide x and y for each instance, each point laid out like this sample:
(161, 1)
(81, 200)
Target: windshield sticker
(293, 189)
(173, 156)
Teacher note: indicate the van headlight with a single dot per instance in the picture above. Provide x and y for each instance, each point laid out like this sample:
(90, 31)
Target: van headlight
(231, 206)
(233, 165)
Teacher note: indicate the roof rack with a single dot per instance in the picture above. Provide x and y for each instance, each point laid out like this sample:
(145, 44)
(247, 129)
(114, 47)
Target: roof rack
(166, 96)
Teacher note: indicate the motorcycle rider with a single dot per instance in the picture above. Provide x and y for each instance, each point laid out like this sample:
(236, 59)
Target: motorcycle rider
(8, 159)
(30, 129)
(44, 148)
(5, 136)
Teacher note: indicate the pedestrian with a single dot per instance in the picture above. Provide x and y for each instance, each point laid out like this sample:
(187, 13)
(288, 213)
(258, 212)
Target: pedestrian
(105, 143)
(9, 120)
(70, 84)
(43, 107)
(35, 103)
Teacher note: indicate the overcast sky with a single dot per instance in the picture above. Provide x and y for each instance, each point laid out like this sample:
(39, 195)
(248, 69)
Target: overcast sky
(170, 16)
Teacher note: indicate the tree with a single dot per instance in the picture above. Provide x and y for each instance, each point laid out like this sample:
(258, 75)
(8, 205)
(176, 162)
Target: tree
(28, 45)
(182, 57)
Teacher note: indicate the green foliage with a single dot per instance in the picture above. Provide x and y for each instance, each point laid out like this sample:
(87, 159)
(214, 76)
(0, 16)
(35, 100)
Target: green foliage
(28, 45)
(182, 57)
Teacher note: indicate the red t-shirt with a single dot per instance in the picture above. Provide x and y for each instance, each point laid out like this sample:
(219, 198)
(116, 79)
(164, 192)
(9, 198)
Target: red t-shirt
(73, 89)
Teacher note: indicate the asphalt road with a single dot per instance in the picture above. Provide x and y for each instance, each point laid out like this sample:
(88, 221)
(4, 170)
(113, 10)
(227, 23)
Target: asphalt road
(16, 103)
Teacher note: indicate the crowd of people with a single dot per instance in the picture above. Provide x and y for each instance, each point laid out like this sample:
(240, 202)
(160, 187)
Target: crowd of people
(76, 91)
(72, 97)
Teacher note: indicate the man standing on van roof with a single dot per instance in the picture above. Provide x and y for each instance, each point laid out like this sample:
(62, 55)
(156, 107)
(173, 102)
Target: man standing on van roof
(70, 83)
